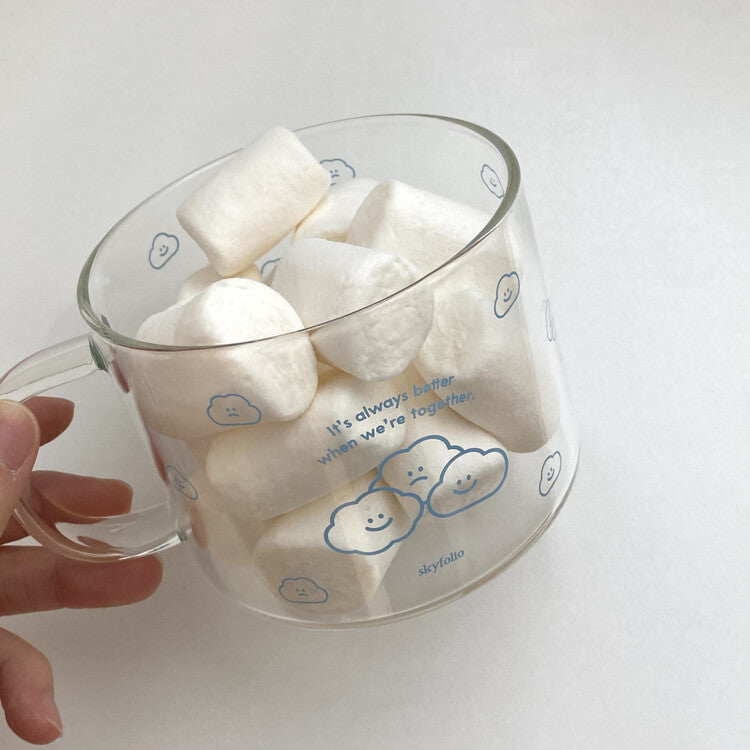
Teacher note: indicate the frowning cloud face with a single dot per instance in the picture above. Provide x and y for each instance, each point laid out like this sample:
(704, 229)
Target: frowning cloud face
(163, 248)
(550, 471)
(508, 289)
(302, 591)
(374, 522)
(492, 181)
(416, 469)
(338, 169)
(467, 479)
(181, 483)
(232, 409)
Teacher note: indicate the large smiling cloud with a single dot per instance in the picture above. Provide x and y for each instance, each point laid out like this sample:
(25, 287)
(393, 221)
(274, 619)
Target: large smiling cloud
(550, 471)
(508, 289)
(374, 522)
(416, 469)
(232, 409)
(302, 591)
(467, 479)
(163, 248)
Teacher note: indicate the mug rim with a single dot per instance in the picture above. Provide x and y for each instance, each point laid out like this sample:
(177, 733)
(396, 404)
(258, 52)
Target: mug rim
(103, 329)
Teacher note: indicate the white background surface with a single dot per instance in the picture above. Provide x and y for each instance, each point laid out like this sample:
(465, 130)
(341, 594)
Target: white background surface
(627, 625)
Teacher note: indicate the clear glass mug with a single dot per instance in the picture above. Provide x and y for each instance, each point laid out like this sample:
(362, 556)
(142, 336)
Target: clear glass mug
(375, 497)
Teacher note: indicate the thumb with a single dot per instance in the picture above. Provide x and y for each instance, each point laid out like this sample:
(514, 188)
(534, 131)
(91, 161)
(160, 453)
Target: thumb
(19, 443)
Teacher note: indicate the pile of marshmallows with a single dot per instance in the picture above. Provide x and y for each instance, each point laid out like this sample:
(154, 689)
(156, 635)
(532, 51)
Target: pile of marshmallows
(256, 415)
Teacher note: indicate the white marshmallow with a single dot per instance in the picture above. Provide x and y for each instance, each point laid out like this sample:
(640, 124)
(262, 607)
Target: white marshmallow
(204, 277)
(271, 469)
(313, 579)
(510, 379)
(188, 394)
(332, 217)
(254, 200)
(159, 328)
(424, 228)
(324, 280)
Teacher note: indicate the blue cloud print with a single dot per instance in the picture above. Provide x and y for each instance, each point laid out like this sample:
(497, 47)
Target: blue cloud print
(550, 471)
(181, 483)
(508, 289)
(231, 409)
(339, 170)
(374, 522)
(468, 479)
(415, 470)
(302, 591)
(492, 181)
(268, 267)
(549, 321)
(163, 249)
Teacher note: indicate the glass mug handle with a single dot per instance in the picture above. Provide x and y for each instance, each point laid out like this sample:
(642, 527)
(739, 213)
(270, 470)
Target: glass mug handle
(113, 537)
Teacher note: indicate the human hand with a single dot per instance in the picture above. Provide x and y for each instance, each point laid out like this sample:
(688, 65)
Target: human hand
(33, 579)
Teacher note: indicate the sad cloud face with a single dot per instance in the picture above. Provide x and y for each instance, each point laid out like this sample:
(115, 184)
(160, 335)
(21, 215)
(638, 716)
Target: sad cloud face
(416, 469)
(232, 409)
(338, 169)
(374, 522)
(550, 471)
(508, 288)
(302, 591)
(181, 483)
(467, 479)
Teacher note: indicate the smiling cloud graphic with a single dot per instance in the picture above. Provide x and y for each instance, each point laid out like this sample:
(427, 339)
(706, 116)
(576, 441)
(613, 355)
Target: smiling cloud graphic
(232, 409)
(302, 591)
(416, 469)
(183, 485)
(467, 479)
(338, 169)
(163, 248)
(550, 471)
(508, 289)
(492, 181)
(374, 522)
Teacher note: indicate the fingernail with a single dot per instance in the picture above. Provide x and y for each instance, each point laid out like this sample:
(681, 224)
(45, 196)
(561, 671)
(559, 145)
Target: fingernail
(17, 434)
(49, 707)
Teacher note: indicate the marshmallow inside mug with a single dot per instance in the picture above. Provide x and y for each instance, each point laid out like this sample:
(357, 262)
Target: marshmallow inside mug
(379, 423)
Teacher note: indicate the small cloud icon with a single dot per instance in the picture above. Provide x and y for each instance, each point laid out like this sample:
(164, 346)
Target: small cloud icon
(231, 409)
(339, 170)
(492, 181)
(415, 470)
(467, 479)
(550, 471)
(508, 289)
(374, 522)
(302, 591)
(163, 248)
(181, 483)
(549, 322)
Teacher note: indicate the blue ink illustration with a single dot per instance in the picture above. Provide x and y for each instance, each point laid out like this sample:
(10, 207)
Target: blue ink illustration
(181, 483)
(415, 470)
(231, 409)
(163, 249)
(549, 321)
(302, 591)
(550, 471)
(339, 170)
(374, 522)
(467, 480)
(508, 289)
(492, 181)
(268, 268)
